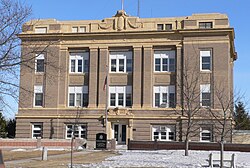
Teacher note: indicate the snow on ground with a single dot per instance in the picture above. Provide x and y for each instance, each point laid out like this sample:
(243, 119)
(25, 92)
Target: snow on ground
(165, 158)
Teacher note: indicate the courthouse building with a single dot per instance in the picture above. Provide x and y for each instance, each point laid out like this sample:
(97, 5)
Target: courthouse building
(63, 84)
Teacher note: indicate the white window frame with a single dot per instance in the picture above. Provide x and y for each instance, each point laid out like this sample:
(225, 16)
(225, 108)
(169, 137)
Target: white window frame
(162, 90)
(205, 88)
(79, 131)
(77, 57)
(40, 29)
(34, 128)
(167, 129)
(39, 57)
(82, 29)
(206, 53)
(118, 56)
(164, 54)
(76, 90)
(74, 29)
(206, 131)
(38, 89)
(119, 90)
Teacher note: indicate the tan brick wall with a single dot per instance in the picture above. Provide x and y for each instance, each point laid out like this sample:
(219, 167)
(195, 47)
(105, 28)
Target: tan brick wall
(241, 136)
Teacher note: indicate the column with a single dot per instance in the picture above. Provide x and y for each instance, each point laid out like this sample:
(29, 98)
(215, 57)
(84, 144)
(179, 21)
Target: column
(148, 61)
(63, 81)
(137, 76)
(179, 76)
(93, 72)
(103, 61)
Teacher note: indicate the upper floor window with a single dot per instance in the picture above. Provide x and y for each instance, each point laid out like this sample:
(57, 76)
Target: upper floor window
(37, 130)
(78, 96)
(82, 29)
(164, 96)
(205, 95)
(78, 131)
(38, 96)
(205, 134)
(160, 27)
(79, 62)
(167, 27)
(41, 30)
(120, 96)
(164, 61)
(76, 29)
(163, 132)
(39, 63)
(121, 61)
(205, 25)
(205, 60)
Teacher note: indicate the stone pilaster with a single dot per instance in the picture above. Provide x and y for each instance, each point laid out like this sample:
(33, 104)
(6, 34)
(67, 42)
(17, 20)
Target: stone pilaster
(179, 75)
(137, 76)
(103, 61)
(148, 61)
(93, 72)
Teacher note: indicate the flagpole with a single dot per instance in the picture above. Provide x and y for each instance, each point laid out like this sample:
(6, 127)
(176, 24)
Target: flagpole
(122, 4)
(107, 100)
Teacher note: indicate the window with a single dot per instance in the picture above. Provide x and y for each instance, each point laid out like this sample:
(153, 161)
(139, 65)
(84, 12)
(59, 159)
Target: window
(205, 134)
(164, 96)
(205, 25)
(163, 132)
(39, 63)
(79, 62)
(120, 96)
(205, 95)
(164, 61)
(121, 61)
(38, 96)
(79, 131)
(74, 29)
(205, 60)
(160, 27)
(82, 29)
(168, 27)
(37, 130)
(41, 30)
(78, 96)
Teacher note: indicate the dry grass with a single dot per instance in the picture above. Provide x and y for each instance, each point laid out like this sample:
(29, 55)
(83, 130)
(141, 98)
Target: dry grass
(58, 161)
(17, 155)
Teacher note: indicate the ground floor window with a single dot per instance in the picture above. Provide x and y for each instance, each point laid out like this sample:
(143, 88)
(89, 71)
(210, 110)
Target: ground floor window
(37, 130)
(206, 134)
(76, 130)
(163, 132)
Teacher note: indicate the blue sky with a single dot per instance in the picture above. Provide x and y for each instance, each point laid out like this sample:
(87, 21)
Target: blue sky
(237, 10)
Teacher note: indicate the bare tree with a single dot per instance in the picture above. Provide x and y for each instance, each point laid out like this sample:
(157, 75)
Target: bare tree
(224, 101)
(188, 83)
(12, 16)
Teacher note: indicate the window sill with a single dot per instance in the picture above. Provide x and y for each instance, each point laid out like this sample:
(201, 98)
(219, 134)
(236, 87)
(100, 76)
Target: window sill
(78, 73)
(163, 72)
(206, 71)
(39, 73)
(37, 106)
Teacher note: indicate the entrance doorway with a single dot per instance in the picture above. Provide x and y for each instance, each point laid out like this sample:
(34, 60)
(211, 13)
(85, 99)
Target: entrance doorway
(120, 131)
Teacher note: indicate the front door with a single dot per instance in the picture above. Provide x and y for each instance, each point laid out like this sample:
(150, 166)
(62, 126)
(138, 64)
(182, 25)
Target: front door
(120, 133)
